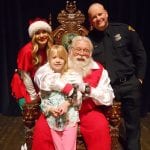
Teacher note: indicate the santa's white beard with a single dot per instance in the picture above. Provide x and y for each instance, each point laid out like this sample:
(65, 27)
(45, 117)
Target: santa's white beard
(82, 67)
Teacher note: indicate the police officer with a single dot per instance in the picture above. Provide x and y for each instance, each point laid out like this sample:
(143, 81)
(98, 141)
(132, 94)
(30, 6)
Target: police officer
(118, 47)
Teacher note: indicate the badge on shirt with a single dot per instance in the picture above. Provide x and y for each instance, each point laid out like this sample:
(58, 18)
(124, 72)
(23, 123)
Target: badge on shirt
(117, 37)
(95, 46)
(130, 28)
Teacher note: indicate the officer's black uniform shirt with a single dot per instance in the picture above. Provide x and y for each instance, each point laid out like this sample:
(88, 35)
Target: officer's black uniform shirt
(120, 50)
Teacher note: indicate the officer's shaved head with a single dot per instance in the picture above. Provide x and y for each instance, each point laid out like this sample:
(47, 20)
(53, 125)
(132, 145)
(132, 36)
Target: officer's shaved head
(98, 16)
(92, 6)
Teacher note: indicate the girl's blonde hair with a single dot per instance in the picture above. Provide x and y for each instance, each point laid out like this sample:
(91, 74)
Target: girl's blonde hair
(61, 52)
(35, 48)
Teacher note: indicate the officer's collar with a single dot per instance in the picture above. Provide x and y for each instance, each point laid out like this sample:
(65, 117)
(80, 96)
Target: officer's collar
(107, 30)
(97, 33)
(102, 33)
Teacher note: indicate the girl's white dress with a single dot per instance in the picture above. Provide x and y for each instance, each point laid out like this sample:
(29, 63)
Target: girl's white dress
(46, 79)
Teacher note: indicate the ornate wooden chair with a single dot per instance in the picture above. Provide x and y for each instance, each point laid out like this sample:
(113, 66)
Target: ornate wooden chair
(71, 20)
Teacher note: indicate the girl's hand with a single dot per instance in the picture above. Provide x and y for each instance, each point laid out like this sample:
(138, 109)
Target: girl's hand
(63, 108)
(54, 111)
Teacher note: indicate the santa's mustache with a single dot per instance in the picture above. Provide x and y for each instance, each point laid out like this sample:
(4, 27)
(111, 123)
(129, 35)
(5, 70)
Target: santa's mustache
(79, 61)
(82, 58)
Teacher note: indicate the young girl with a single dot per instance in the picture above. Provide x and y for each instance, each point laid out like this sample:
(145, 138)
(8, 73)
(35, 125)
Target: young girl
(54, 81)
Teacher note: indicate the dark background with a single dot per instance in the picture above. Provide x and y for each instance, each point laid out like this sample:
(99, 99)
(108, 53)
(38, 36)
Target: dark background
(14, 18)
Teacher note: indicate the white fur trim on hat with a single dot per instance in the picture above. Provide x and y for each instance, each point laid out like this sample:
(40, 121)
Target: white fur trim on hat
(38, 25)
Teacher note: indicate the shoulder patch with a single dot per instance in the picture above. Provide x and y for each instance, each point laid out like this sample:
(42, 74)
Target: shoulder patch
(130, 28)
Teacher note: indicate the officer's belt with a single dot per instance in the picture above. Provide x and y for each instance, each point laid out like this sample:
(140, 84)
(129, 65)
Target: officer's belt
(122, 79)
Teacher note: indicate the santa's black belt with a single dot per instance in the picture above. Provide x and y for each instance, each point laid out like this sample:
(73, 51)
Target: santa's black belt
(123, 79)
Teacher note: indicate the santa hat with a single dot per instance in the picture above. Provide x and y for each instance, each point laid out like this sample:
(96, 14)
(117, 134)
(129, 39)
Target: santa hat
(38, 24)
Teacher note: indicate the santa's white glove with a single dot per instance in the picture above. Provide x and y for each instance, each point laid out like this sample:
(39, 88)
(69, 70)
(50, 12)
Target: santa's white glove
(81, 87)
(76, 79)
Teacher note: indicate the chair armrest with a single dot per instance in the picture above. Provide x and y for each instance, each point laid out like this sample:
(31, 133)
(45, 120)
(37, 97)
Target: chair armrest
(30, 113)
(113, 115)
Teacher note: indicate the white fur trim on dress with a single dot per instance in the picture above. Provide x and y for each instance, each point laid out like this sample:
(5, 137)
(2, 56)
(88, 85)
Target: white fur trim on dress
(38, 25)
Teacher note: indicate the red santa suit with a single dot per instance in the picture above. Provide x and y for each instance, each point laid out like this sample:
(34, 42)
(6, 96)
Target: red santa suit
(25, 63)
(93, 124)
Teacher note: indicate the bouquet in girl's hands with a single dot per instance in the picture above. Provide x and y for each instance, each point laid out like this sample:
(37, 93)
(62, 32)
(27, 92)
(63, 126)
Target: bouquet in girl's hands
(76, 97)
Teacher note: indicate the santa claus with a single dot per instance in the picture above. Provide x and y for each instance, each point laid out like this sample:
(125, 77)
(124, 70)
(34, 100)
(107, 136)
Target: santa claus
(97, 90)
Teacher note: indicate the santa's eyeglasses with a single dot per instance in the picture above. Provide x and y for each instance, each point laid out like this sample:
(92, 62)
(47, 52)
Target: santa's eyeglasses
(78, 50)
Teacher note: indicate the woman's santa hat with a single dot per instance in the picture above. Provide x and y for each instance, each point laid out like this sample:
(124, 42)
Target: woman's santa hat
(38, 24)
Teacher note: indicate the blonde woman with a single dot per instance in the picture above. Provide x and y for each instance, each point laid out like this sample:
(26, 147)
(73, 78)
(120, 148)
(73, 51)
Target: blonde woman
(30, 57)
